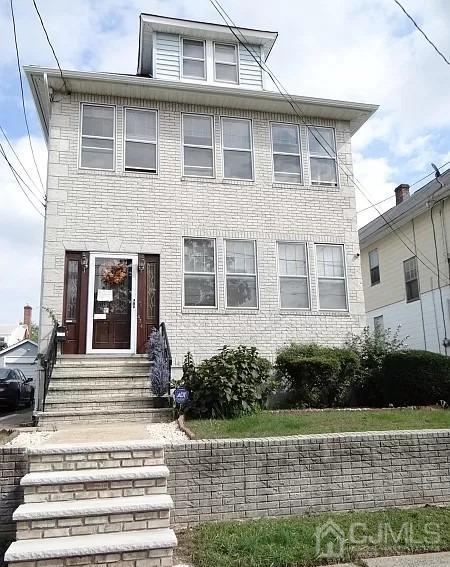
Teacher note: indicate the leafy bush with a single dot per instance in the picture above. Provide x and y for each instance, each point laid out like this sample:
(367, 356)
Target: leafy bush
(159, 372)
(231, 383)
(372, 347)
(318, 376)
(415, 377)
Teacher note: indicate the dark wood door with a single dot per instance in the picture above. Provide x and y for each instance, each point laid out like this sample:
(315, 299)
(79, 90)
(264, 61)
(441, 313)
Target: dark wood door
(148, 299)
(75, 303)
(111, 325)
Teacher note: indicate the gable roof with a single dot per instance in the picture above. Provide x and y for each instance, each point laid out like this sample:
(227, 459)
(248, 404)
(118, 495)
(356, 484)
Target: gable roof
(15, 345)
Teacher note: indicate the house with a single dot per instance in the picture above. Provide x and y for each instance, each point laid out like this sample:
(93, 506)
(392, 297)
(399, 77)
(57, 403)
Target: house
(405, 261)
(190, 194)
(14, 333)
(22, 356)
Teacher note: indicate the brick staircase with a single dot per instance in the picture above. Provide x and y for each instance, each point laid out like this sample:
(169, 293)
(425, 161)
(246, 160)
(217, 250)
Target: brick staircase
(101, 504)
(100, 389)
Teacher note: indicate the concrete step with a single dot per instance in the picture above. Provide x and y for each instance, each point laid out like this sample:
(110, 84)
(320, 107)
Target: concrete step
(96, 384)
(157, 543)
(96, 361)
(57, 486)
(108, 402)
(110, 371)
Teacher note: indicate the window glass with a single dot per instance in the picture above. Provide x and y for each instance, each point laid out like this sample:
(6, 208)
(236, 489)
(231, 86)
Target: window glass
(225, 63)
(198, 150)
(322, 155)
(237, 148)
(199, 272)
(97, 137)
(331, 277)
(241, 281)
(194, 59)
(140, 139)
(293, 274)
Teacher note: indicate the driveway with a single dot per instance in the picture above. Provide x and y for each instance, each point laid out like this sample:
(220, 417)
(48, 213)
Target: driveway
(14, 419)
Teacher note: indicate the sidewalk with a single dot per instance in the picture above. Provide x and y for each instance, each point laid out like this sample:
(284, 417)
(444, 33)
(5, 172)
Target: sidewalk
(421, 560)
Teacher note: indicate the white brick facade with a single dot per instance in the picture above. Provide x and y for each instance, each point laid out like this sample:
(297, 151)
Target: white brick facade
(131, 212)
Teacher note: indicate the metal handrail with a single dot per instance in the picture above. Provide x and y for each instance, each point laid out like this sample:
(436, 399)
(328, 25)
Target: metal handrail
(166, 352)
(48, 362)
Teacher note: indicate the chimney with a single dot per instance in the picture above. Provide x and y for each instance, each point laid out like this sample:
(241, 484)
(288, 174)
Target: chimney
(27, 311)
(401, 193)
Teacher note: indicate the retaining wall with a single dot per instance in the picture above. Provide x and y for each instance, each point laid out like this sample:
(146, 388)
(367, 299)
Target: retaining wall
(13, 465)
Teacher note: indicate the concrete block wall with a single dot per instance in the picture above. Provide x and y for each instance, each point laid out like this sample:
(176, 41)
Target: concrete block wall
(134, 212)
(13, 465)
(254, 478)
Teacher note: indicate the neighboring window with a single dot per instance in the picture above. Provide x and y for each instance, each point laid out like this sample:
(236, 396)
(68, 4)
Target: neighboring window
(97, 136)
(378, 323)
(194, 59)
(331, 276)
(199, 272)
(225, 63)
(374, 265)
(241, 281)
(140, 139)
(411, 279)
(293, 274)
(322, 156)
(286, 153)
(237, 148)
(198, 150)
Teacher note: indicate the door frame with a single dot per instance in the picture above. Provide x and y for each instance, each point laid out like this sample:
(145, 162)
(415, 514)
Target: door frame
(90, 306)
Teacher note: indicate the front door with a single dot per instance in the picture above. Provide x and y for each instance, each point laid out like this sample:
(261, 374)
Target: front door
(148, 299)
(112, 303)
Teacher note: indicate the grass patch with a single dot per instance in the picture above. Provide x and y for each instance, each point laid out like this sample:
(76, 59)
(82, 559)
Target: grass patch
(292, 542)
(270, 424)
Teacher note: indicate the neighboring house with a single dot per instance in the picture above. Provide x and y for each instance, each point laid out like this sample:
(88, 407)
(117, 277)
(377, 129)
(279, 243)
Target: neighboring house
(405, 259)
(14, 333)
(190, 194)
(21, 356)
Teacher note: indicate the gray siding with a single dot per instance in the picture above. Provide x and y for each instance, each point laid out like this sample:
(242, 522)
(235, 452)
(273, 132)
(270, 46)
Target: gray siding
(167, 57)
(250, 74)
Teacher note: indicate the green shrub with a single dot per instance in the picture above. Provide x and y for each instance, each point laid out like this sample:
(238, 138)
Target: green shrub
(415, 377)
(231, 383)
(318, 376)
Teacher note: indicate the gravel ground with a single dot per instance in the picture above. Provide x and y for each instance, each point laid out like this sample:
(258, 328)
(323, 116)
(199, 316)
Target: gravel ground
(167, 432)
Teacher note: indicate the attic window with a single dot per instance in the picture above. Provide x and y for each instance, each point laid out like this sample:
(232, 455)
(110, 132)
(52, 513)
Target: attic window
(194, 59)
(225, 63)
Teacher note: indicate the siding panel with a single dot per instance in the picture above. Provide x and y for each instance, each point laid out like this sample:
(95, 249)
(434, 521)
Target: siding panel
(167, 64)
(250, 74)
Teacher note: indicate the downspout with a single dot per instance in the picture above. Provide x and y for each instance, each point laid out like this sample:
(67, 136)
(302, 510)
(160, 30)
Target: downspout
(445, 342)
(420, 295)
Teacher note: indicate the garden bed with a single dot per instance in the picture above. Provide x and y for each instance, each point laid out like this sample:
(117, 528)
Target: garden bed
(292, 542)
(307, 422)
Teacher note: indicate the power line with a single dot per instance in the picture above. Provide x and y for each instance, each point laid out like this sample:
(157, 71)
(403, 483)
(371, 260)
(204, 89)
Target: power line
(422, 32)
(375, 204)
(51, 46)
(22, 93)
(232, 27)
(428, 174)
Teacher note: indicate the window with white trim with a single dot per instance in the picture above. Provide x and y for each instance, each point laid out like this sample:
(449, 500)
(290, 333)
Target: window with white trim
(378, 323)
(287, 165)
(411, 279)
(97, 136)
(237, 148)
(241, 279)
(374, 266)
(293, 275)
(199, 272)
(194, 66)
(322, 155)
(198, 145)
(331, 276)
(140, 139)
(225, 63)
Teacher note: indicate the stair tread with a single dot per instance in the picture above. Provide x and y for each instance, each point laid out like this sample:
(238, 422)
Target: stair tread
(72, 546)
(94, 475)
(92, 507)
(112, 398)
(96, 447)
(100, 411)
(93, 386)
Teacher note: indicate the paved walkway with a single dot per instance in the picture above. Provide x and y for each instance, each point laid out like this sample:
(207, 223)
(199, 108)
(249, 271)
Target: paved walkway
(15, 419)
(421, 560)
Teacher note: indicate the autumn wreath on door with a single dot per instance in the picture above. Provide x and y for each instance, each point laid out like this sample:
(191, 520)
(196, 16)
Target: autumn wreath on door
(115, 274)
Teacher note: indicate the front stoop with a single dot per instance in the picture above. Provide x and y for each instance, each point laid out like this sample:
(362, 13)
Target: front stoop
(94, 504)
(87, 389)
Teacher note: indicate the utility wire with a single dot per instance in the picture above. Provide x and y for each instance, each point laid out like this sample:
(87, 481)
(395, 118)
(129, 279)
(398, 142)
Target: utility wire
(22, 93)
(51, 46)
(422, 32)
(232, 27)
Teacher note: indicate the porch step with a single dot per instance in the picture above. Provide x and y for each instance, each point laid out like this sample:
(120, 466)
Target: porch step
(129, 383)
(103, 371)
(157, 543)
(92, 402)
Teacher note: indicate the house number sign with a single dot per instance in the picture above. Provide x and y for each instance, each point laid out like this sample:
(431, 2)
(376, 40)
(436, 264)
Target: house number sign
(181, 395)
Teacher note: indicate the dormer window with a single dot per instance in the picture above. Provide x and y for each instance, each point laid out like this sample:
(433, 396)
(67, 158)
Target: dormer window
(193, 59)
(225, 63)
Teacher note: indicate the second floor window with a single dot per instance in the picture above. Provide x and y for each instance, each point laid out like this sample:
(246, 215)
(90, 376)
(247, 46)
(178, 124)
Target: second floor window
(225, 63)
(331, 277)
(198, 148)
(199, 272)
(411, 279)
(293, 274)
(193, 59)
(286, 153)
(237, 148)
(374, 266)
(322, 156)
(140, 139)
(241, 280)
(97, 136)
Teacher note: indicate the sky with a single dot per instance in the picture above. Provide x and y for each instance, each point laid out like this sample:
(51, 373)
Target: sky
(357, 50)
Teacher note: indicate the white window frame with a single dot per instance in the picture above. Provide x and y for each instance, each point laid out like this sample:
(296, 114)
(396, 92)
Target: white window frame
(215, 306)
(272, 124)
(212, 147)
(342, 246)
(236, 50)
(155, 143)
(205, 70)
(335, 158)
(307, 277)
(252, 161)
(410, 280)
(372, 283)
(255, 275)
(80, 137)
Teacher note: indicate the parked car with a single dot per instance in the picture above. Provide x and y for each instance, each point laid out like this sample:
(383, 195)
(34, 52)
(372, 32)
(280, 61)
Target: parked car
(15, 389)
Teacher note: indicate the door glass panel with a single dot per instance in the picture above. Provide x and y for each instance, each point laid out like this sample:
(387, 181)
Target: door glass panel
(152, 279)
(72, 290)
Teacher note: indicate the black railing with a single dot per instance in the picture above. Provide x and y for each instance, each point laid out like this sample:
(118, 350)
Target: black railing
(48, 362)
(166, 352)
